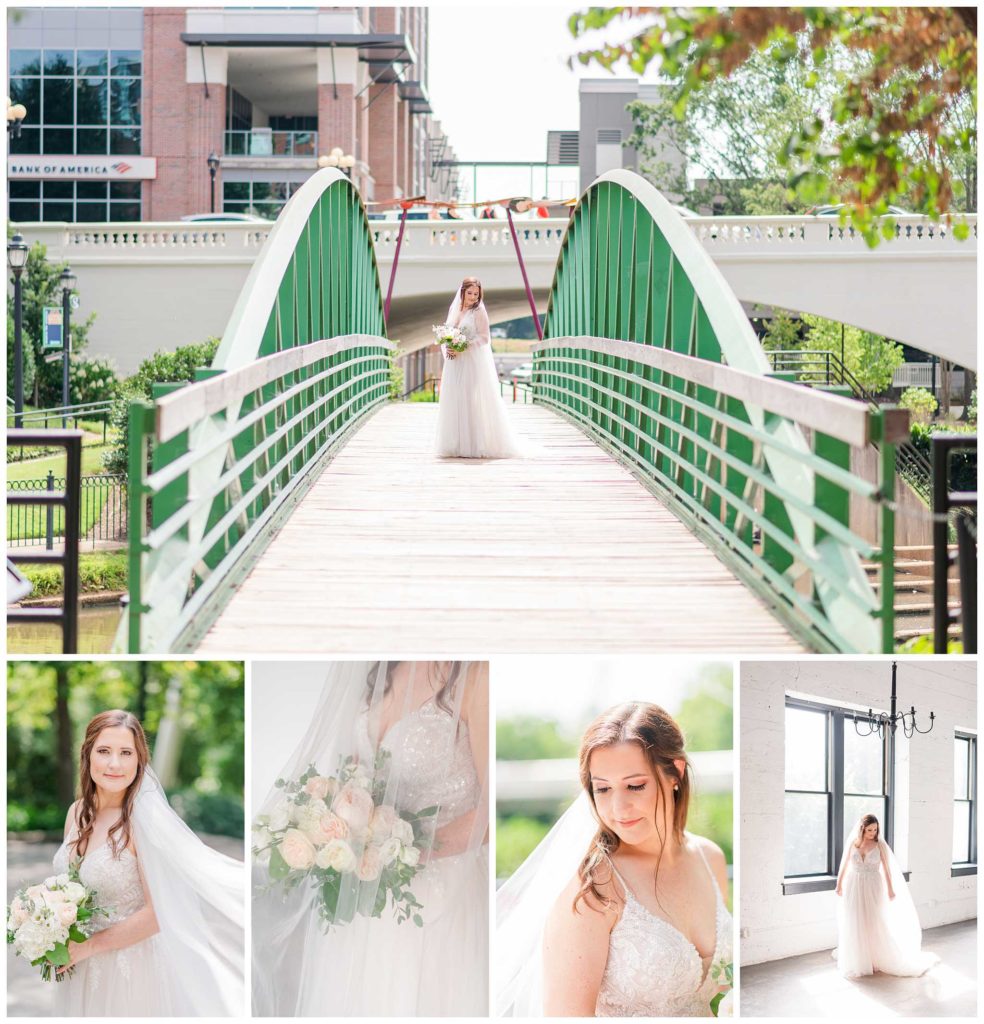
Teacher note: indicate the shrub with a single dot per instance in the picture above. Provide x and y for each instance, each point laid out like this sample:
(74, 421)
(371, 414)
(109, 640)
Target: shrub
(92, 379)
(920, 402)
(214, 813)
(98, 571)
(161, 368)
(972, 408)
(30, 817)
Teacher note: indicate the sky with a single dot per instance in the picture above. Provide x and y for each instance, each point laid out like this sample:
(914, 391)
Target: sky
(499, 81)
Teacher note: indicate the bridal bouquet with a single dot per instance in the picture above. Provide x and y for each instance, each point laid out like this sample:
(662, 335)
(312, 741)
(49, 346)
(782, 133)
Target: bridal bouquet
(723, 1003)
(451, 337)
(333, 831)
(41, 920)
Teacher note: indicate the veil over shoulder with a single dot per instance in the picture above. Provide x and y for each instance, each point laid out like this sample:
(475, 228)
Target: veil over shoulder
(199, 901)
(417, 742)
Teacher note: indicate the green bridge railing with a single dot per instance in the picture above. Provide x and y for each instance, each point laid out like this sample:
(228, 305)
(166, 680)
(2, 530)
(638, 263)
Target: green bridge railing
(647, 349)
(215, 465)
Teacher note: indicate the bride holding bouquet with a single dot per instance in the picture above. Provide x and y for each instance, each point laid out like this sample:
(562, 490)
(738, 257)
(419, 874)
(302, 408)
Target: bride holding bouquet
(371, 851)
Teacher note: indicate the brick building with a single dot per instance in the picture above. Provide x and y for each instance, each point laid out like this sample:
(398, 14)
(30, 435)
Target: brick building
(125, 105)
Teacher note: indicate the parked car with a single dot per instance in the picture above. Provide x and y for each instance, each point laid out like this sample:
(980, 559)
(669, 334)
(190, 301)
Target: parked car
(521, 374)
(834, 210)
(227, 218)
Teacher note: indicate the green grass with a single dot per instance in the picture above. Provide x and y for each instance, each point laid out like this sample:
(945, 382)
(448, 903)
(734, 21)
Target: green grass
(37, 469)
(98, 571)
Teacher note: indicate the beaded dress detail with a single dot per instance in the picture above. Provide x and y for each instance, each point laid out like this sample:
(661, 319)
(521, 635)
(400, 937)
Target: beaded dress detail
(653, 970)
(122, 982)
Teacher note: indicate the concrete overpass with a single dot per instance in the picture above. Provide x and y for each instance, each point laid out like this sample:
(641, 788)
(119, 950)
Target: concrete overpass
(162, 285)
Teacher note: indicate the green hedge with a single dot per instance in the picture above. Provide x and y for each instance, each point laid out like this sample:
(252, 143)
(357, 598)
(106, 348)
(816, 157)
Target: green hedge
(98, 571)
(963, 465)
(214, 813)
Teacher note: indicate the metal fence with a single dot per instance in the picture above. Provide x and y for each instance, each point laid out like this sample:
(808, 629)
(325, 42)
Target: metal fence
(102, 506)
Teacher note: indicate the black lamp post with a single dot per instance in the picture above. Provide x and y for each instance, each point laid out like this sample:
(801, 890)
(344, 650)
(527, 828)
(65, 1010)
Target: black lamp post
(67, 281)
(17, 252)
(213, 166)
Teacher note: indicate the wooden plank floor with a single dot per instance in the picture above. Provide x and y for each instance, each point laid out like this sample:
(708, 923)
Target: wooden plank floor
(396, 551)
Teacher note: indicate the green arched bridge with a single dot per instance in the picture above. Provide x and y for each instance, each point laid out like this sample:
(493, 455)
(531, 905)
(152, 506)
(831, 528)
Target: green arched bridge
(678, 495)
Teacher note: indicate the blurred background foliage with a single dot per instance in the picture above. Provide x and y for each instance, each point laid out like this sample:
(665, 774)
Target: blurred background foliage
(706, 717)
(198, 706)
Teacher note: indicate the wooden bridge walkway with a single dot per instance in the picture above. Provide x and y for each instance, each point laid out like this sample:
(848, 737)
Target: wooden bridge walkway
(394, 550)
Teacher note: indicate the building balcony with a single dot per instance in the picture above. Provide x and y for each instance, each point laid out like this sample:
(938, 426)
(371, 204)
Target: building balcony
(267, 143)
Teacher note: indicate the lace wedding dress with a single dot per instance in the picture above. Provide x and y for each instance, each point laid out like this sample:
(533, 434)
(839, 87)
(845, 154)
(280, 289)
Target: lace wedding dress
(123, 982)
(472, 422)
(653, 970)
(874, 932)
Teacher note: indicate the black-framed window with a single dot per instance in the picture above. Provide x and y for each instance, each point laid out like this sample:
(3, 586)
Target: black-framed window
(78, 101)
(832, 777)
(263, 198)
(964, 803)
(74, 201)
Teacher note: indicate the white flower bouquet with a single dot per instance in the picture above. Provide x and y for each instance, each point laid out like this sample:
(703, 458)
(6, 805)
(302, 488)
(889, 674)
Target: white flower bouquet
(43, 918)
(451, 337)
(723, 1003)
(333, 826)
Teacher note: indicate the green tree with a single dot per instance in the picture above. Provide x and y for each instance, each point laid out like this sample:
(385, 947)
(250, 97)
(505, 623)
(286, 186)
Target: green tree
(529, 738)
(871, 358)
(783, 332)
(894, 118)
(40, 288)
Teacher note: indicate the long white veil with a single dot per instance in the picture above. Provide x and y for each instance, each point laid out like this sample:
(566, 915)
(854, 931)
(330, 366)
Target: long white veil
(199, 901)
(523, 903)
(903, 955)
(307, 961)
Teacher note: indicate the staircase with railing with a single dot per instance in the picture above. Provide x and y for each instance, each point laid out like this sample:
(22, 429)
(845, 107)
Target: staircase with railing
(822, 368)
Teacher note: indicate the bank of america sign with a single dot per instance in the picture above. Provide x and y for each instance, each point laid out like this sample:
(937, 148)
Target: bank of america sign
(93, 168)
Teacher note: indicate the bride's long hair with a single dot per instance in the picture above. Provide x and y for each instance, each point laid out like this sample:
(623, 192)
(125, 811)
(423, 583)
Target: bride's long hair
(866, 820)
(442, 676)
(662, 744)
(85, 814)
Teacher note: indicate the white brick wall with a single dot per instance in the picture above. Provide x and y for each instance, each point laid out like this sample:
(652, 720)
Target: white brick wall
(774, 926)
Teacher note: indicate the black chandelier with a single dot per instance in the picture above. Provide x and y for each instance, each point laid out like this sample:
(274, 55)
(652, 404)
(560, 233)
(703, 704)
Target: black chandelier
(881, 723)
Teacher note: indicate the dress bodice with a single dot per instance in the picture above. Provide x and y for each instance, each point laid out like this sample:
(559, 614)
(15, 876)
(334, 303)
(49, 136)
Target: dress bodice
(432, 754)
(866, 863)
(653, 970)
(116, 881)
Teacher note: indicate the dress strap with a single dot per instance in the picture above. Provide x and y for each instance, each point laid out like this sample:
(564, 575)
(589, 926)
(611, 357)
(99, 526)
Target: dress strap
(719, 899)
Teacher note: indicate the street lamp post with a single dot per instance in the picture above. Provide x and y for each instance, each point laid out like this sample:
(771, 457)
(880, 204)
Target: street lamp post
(67, 281)
(213, 166)
(337, 158)
(16, 112)
(17, 252)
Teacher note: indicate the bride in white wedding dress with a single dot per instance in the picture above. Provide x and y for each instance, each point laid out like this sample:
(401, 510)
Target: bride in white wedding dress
(421, 728)
(619, 912)
(170, 940)
(878, 927)
(472, 422)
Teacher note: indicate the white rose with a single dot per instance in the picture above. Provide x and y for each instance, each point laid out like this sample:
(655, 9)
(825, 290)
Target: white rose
(390, 850)
(17, 913)
(61, 880)
(50, 882)
(403, 831)
(75, 892)
(309, 814)
(410, 856)
(336, 855)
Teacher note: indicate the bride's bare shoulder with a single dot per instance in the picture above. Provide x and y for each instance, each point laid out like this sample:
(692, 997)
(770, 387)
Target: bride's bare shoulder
(71, 818)
(602, 904)
(714, 858)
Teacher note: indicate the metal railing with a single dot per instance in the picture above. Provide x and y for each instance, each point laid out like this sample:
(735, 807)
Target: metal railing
(428, 384)
(258, 433)
(271, 143)
(102, 502)
(715, 444)
(520, 392)
(59, 416)
(957, 509)
(819, 367)
(67, 616)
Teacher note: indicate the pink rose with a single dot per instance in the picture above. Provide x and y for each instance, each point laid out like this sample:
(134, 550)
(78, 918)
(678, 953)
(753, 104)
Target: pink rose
(354, 806)
(329, 826)
(66, 913)
(370, 865)
(318, 787)
(18, 912)
(383, 820)
(296, 849)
